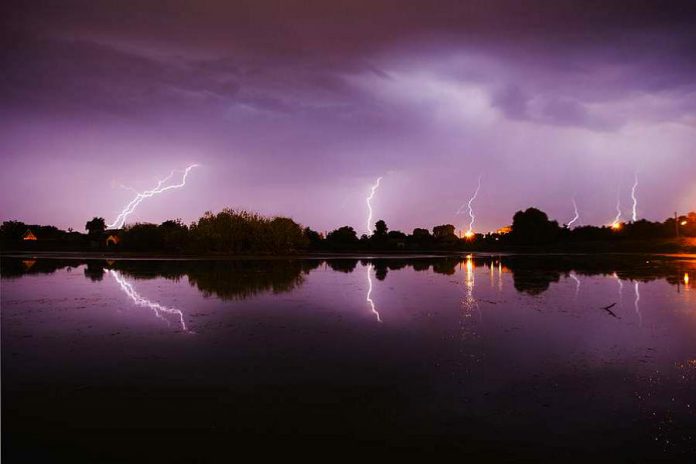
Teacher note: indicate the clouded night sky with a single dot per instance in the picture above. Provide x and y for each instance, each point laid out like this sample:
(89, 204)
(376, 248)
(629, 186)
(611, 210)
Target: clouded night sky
(296, 107)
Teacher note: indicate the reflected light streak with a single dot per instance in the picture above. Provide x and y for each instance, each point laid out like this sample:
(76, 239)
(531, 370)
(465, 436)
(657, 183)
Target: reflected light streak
(620, 282)
(470, 302)
(130, 207)
(368, 298)
(636, 304)
(373, 189)
(577, 284)
(140, 301)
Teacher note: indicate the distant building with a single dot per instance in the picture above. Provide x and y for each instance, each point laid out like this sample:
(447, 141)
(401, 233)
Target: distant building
(28, 235)
(112, 237)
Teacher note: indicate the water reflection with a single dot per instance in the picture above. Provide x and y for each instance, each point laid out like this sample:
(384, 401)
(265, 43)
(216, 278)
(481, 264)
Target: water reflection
(241, 279)
(620, 282)
(636, 302)
(280, 341)
(470, 303)
(368, 298)
(577, 284)
(157, 308)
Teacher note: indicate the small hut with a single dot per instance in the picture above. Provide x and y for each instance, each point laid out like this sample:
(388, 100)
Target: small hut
(29, 235)
(112, 238)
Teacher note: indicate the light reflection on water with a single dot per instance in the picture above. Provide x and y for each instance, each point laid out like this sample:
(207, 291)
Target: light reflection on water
(156, 308)
(368, 297)
(455, 339)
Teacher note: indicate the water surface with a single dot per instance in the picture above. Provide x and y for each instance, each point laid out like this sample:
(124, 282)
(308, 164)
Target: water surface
(502, 357)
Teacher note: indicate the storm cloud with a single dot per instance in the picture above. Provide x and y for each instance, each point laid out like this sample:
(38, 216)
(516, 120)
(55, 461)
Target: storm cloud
(295, 107)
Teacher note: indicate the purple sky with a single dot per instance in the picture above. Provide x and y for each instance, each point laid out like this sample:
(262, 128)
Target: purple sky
(296, 107)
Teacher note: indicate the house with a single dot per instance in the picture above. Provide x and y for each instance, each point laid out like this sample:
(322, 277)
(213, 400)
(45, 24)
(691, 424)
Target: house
(112, 237)
(29, 235)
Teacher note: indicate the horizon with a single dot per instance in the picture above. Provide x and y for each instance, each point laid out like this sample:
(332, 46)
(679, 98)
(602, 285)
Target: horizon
(295, 110)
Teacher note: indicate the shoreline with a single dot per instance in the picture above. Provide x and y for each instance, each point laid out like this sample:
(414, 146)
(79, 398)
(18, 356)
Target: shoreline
(138, 256)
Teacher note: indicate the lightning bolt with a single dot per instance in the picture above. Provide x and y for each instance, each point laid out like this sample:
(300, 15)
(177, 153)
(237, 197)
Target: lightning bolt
(160, 188)
(633, 197)
(368, 297)
(577, 214)
(617, 220)
(373, 189)
(140, 301)
(468, 204)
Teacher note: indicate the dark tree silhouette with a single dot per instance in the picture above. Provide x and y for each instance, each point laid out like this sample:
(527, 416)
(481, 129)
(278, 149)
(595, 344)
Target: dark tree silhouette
(313, 237)
(95, 226)
(380, 229)
(444, 232)
(343, 237)
(532, 227)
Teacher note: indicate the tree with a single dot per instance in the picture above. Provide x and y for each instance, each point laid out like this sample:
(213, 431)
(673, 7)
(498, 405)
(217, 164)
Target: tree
(533, 227)
(96, 226)
(421, 234)
(444, 232)
(285, 235)
(380, 229)
(313, 237)
(343, 237)
(13, 230)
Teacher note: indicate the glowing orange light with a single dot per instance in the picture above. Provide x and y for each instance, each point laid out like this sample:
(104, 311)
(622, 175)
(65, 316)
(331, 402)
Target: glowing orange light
(686, 279)
(469, 234)
(684, 223)
(616, 226)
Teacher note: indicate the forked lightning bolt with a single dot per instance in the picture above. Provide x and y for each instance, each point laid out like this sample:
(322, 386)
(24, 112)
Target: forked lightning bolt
(373, 189)
(468, 204)
(160, 188)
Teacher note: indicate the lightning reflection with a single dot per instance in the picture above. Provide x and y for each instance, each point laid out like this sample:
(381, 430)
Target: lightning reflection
(368, 298)
(620, 282)
(470, 302)
(157, 308)
(636, 302)
(577, 284)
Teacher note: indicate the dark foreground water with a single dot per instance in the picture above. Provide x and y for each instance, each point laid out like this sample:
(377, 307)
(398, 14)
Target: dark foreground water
(497, 358)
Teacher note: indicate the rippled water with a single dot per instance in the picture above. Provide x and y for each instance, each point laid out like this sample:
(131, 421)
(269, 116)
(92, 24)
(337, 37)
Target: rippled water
(502, 357)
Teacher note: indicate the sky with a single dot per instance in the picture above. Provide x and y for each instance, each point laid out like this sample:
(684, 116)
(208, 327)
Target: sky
(295, 108)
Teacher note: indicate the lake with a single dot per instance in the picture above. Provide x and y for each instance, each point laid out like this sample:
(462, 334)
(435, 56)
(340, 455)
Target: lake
(491, 357)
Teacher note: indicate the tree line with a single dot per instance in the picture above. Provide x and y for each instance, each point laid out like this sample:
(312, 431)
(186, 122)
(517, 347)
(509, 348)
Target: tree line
(238, 232)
